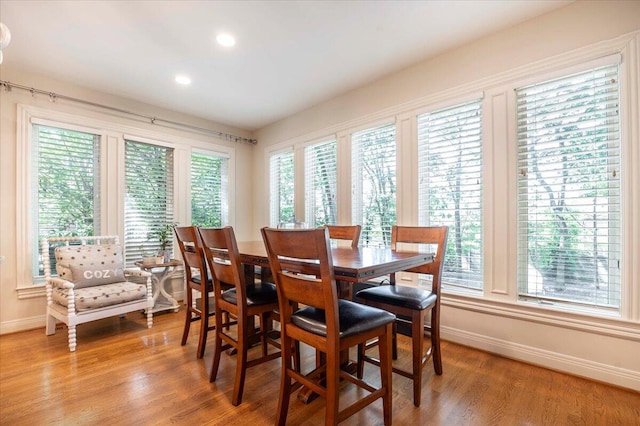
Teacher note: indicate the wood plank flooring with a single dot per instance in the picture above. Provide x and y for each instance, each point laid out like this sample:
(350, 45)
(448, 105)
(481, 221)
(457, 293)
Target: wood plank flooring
(125, 374)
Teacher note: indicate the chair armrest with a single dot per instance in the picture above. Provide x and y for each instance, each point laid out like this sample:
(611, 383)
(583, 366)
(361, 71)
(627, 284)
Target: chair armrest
(137, 273)
(60, 283)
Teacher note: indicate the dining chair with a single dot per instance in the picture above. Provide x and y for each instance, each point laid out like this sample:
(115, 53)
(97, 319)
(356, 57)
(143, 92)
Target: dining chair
(197, 280)
(410, 304)
(242, 301)
(345, 232)
(311, 313)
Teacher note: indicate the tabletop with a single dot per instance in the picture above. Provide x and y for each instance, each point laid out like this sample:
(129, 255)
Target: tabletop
(350, 264)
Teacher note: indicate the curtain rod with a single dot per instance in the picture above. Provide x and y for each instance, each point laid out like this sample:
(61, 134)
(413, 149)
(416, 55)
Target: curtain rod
(7, 86)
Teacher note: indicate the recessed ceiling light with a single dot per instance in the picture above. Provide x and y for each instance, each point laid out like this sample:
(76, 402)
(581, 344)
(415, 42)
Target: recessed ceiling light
(183, 79)
(225, 39)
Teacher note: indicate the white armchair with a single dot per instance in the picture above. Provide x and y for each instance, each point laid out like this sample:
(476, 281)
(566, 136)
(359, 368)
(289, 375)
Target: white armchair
(91, 283)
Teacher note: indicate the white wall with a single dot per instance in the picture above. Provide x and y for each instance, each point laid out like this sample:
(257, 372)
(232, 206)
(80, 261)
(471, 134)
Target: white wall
(25, 309)
(603, 349)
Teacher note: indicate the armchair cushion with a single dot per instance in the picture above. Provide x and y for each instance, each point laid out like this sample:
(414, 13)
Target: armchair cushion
(101, 295)
(90, 265)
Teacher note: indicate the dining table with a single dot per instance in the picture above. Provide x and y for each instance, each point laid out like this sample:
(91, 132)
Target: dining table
(350, 265)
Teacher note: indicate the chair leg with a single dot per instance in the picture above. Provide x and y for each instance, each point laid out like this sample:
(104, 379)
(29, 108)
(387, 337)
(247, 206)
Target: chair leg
(386, 368)
(394, 341)
(187, 324)
(435, 340)
(296, 356)
(417, 333)
(264, 329)
(215, 363)
(332, 386)
(285, 381)
(204, 324)
(360, 360)
(72, 338)
(51, 325)
(241, 361)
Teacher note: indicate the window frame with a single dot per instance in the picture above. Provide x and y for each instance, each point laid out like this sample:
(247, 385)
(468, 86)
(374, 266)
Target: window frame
(113, 133)
(229, 182)
(452, 104)
(624, 195)
(356, 184)
(273, 222)
(307, 207)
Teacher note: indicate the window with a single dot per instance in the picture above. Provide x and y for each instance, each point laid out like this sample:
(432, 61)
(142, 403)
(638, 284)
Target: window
(373, 168)
(320, 184)
(66, 188)
(209, 190)
(148, 197)
(569, 190)
(450, 187)
(281, 188)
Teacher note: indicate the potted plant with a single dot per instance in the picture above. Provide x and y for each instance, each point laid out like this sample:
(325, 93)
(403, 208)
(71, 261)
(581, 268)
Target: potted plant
(164, 236)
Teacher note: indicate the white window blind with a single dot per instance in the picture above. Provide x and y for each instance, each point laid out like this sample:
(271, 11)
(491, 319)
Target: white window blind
(66, 188)
(373, 168)
(569, 190)
(148, 197)
(281, 188)
(450, 187)
(209, 190)
(320, 184)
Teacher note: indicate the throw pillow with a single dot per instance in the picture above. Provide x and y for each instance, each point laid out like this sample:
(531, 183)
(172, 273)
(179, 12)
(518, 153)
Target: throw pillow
(96, 274)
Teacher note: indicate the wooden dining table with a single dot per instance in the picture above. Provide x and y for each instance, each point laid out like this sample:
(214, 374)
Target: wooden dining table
(350, 265)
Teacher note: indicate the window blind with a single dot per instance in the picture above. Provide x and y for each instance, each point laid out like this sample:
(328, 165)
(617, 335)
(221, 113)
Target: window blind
(148, 197)
(66, 189)
(373, 168)
(281, 188)
(209, 190)
(569, 190)
(320, 184)
(450, 187)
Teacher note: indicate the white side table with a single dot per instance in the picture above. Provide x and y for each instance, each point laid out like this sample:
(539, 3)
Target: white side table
(160, 279)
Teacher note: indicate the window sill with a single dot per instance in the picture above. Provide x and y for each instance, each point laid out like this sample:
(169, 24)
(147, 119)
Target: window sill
(607, 326)
(31, 292)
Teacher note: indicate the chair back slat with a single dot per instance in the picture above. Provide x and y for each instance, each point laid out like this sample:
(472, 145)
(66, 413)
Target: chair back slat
(345, 232)
(221, 253)
(289, 251)
(191, 251)
(432, 235)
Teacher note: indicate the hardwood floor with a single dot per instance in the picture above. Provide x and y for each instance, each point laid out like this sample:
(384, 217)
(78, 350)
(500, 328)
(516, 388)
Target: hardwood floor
(124, 374)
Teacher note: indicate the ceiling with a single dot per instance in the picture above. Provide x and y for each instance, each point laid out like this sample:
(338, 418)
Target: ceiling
(289, 56)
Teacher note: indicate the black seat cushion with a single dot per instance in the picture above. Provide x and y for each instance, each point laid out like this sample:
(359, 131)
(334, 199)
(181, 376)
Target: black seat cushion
(354, 318)
(257, 294)
(196, 280)
(399, 295)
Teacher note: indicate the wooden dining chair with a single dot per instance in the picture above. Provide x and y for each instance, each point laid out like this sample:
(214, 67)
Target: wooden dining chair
(197, 280)
(412, 303)
(329, 324)
(242, 301)
(345, 232)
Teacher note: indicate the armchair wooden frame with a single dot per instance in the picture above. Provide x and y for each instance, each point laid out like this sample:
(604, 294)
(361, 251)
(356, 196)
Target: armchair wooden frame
(69, 315)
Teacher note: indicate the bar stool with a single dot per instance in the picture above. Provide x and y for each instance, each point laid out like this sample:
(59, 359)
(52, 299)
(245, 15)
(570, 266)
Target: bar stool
(412, 303)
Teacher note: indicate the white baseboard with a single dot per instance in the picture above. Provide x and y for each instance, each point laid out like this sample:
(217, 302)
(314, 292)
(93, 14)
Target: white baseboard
(22, 324)
(543, 358)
